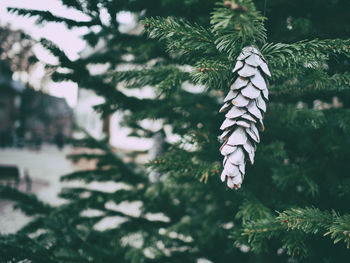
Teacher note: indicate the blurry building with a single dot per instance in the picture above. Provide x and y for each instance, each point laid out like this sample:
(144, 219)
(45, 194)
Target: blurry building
(29, 114)
(10, 100)
(45, 116)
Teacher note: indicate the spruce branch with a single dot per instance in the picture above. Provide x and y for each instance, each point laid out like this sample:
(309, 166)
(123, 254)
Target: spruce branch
(305, 51)
(119, 169)
(19, 247)
(314, 221)
(29, 204)
(252, 209)
(288, 176)
(177, 157)
(181, 36)
(295, 244)
(321, 81)
(167, 78)
(311, 85)
(212, 73)
(292, 225)
(47, 16)
(76, 4)
(256, 232)
(238, 26)
(57, 52)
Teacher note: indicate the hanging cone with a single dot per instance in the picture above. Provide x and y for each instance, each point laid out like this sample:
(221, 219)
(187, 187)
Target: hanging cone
(244, 106)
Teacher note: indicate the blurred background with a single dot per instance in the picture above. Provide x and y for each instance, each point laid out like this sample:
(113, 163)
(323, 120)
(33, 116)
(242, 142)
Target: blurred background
(38, 115)
(109, 131)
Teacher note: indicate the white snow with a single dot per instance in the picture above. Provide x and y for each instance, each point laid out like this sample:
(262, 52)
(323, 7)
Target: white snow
(45, 168)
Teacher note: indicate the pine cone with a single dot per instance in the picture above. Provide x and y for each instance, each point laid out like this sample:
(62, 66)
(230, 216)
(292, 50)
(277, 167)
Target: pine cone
(245, 105)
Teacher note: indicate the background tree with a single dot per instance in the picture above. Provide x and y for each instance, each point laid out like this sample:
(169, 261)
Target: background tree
(300, 165)
(16, 49)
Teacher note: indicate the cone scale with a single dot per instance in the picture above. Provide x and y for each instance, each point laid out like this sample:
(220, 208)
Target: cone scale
(244, 108)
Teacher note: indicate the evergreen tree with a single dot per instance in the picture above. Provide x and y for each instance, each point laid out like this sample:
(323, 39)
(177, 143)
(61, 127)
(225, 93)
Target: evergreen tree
(294, 200)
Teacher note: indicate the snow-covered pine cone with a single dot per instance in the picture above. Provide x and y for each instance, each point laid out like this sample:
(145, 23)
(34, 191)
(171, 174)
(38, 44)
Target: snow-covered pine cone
(245, 105)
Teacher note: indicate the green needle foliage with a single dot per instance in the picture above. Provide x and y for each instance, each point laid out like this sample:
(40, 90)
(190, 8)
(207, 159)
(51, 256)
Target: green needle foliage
(294, 203)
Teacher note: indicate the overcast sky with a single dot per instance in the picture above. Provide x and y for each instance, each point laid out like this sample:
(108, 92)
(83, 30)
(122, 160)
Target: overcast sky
(67, 40)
